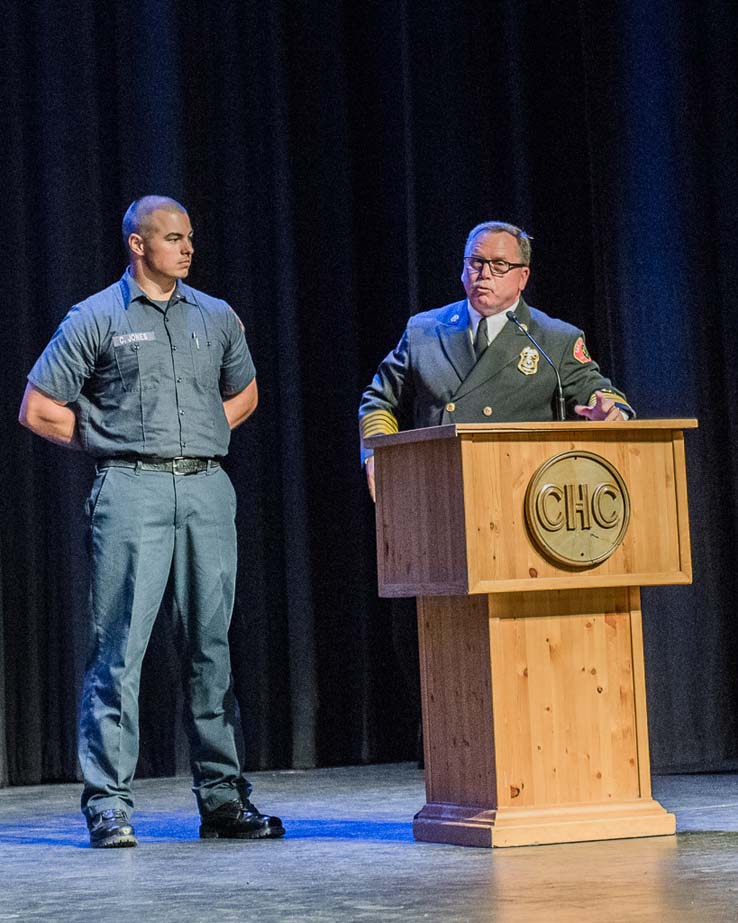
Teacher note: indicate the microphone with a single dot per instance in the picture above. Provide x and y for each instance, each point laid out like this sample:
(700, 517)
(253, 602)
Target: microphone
(560, 403)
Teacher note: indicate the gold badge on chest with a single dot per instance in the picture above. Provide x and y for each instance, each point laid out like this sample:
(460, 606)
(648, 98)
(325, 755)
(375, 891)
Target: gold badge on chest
(529, 360)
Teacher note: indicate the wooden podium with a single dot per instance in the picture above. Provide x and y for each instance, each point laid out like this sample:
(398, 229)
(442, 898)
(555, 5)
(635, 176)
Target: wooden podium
(532, 673)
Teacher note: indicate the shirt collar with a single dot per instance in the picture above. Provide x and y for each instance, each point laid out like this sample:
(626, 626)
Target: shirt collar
(132, 291)
(494, 322)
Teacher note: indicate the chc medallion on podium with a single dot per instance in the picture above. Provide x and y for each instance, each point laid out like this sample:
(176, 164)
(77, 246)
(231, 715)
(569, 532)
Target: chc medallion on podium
(577, 509)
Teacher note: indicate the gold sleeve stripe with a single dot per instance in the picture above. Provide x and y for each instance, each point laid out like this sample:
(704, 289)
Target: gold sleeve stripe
(378, 423)
(619, 399)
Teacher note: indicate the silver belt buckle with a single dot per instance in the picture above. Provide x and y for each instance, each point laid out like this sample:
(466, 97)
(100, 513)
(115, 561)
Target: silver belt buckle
(185, 466)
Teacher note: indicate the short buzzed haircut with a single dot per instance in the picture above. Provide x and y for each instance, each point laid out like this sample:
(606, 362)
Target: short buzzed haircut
(501, 227)
(137, 220)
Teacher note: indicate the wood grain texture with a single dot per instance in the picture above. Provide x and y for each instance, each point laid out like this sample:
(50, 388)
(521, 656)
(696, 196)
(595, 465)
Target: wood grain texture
(451, 510)
(535, 719)
(438, 823)
(421, 541)
(458, 731)
(532, 672)
(565, 719)
(575, 427)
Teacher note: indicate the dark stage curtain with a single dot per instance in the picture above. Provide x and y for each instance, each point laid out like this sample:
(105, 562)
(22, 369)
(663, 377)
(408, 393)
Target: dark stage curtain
(333, 156)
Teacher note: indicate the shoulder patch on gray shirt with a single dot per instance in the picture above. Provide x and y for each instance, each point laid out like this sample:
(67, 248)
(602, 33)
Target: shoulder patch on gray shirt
(125, 338)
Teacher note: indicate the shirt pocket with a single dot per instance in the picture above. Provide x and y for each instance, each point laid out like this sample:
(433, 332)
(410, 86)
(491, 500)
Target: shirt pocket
(203, 361)
(139, 366)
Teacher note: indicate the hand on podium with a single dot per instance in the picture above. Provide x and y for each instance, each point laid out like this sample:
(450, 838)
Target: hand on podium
(604, 408)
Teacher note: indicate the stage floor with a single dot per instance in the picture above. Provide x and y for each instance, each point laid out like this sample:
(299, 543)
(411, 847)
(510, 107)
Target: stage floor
(349, 855)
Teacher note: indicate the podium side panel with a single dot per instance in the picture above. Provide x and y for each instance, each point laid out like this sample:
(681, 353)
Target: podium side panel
(680, 468)
(457, 709)
(421, 540)
(639, 684)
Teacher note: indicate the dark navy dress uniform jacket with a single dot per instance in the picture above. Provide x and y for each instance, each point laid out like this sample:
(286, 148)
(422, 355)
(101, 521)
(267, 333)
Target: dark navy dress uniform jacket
(433, 376)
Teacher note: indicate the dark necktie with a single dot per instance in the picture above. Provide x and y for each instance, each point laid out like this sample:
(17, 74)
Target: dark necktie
(480, 339)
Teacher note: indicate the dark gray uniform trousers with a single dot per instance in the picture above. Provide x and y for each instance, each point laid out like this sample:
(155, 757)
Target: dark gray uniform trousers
(144, 526)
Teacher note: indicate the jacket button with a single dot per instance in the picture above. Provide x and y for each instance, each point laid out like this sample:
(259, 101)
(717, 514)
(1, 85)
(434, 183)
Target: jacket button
(450, 407)
(487, 411)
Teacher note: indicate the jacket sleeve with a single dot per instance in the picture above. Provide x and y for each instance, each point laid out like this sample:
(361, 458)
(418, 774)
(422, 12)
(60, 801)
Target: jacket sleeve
(385, 402)
(581, 378)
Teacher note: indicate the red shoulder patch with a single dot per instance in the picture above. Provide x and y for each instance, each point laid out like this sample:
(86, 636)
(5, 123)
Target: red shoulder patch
(240, 322)
(580, 352)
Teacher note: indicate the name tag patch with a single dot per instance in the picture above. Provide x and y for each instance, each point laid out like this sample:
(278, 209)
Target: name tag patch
(125, 338)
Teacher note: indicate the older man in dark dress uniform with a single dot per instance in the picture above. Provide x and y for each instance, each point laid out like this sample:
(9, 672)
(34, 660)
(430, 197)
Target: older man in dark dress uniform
(468, 363)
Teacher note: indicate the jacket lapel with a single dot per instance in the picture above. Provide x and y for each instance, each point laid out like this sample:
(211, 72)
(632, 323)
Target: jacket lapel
(453, 333)
(503, 350)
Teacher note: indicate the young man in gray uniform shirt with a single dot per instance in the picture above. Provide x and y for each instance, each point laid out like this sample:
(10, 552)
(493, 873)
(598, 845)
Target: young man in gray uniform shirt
(149, 377)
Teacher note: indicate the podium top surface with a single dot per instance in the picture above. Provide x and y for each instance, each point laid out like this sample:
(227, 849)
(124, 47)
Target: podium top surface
(453, 430)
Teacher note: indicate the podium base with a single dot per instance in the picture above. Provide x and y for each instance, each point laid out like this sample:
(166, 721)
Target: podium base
(465, 825)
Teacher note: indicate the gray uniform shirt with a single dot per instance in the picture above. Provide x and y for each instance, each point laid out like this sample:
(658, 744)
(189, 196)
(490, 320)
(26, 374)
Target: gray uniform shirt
(145, 380)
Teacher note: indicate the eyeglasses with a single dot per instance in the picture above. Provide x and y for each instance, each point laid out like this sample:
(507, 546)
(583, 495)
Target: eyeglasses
(497, 267)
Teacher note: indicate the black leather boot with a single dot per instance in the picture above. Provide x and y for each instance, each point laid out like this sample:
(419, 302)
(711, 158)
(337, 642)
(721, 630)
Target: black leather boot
(239, 820)
(111, 829)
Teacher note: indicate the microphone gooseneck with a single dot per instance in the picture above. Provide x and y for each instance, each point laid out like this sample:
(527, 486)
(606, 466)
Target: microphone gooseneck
(560, 403)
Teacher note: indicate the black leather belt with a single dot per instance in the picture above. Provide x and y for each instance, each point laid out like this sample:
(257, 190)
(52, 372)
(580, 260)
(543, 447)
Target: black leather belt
(178, 465)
